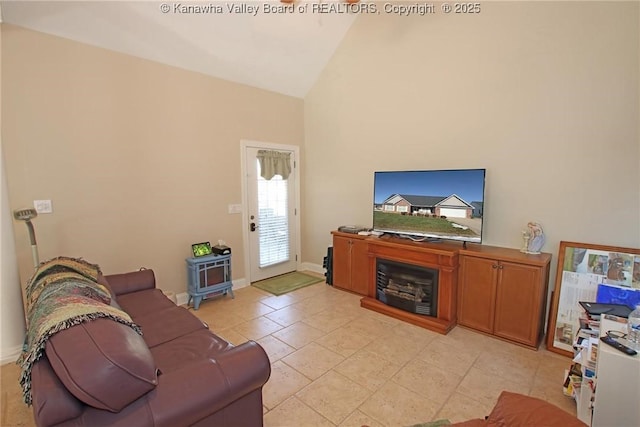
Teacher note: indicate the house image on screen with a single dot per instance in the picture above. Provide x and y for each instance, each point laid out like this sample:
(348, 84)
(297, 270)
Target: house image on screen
(449, 206)
(478, 208)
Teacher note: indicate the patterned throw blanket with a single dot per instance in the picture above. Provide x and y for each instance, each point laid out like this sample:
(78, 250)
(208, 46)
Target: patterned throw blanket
(62, 292)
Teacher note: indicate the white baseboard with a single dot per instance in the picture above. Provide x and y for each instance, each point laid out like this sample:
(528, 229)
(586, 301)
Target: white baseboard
(10, 355)
(183, 297)
(240, 283)
(309, 266)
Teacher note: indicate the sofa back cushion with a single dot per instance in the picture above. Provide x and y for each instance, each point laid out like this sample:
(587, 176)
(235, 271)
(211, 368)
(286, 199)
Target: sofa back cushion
(131, 282)
(103, 363)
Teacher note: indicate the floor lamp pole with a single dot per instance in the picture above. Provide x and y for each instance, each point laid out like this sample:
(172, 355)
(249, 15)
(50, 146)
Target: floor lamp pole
(27, 215)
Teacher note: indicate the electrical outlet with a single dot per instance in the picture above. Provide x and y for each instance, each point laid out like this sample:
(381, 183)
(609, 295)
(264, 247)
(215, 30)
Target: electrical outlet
(43, 206)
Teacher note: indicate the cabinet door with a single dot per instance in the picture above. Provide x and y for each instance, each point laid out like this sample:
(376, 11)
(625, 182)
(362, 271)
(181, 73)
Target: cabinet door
(518, 303)
(476, 294)
(341, 262)
(359, 266)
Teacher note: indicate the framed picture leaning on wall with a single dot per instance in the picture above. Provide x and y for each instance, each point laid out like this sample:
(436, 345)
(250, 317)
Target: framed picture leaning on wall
(588, 272)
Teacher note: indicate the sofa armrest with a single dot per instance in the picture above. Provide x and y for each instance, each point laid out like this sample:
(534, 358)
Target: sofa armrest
(212, 385)
(52, 402)
(131, 282)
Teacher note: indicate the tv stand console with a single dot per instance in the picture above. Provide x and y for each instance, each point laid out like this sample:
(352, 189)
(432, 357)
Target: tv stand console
(497, 291)
(442, 257)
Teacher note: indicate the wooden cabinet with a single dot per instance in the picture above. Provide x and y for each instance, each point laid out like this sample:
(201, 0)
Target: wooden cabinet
(350, 262)
(520, 303)
(503, 292)
(494, 290)
(476, 295)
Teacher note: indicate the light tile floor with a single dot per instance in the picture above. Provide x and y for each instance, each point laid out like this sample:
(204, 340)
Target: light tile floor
(337, 364)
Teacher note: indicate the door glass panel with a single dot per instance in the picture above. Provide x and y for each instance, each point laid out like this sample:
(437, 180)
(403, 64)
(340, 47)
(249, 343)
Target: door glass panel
(273, 218)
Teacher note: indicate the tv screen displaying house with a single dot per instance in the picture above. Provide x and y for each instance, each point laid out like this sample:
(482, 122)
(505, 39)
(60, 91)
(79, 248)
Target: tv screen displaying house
(445, 204)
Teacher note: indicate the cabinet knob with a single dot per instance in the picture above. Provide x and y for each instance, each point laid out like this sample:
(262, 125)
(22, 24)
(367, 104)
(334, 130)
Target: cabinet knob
(494, 266)
(501, 267)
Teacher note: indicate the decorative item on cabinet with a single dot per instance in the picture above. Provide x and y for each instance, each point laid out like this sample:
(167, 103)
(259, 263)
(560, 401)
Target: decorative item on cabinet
(533, 238)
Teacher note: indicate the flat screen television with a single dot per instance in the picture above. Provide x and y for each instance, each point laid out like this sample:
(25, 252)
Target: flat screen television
(430, 204)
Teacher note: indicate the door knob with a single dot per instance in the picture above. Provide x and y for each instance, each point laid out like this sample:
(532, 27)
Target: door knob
(252, 226)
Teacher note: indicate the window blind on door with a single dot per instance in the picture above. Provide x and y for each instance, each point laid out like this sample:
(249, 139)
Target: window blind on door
(273, 218)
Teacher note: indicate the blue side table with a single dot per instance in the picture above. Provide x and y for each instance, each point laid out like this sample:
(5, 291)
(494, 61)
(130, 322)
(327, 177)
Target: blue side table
(208, 276)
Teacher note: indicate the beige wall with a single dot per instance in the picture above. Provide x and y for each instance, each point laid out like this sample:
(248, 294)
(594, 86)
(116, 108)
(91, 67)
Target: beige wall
(11, 315)
(140, 159)
(545, 96)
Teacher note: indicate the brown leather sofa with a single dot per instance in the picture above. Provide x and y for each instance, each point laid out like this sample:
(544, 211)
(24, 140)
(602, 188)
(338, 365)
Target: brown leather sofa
(178, 373)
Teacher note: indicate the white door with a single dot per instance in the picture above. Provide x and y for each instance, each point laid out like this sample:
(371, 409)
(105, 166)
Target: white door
(270, 219)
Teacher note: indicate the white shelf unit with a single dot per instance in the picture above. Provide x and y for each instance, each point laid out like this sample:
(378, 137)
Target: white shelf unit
(617, 399)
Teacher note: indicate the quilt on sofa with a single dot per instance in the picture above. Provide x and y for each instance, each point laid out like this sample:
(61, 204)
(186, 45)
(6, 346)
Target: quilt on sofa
(63, 292)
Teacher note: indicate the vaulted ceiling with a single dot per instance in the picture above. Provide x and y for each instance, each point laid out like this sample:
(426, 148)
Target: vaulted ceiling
(269, 45)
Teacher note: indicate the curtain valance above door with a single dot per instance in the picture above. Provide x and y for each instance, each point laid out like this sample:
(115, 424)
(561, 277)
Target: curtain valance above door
(274, 163)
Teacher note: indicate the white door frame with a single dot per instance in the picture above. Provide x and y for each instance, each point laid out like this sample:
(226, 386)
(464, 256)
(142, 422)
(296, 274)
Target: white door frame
(244, 143)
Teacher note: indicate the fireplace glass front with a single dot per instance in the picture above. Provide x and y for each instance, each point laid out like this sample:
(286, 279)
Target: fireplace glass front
(407, 287)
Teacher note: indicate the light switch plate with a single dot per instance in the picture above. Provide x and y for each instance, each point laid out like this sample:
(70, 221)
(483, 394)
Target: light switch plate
(235, 209)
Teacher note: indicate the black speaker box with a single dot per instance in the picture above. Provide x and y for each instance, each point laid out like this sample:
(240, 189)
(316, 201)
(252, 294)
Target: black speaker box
(221, 250)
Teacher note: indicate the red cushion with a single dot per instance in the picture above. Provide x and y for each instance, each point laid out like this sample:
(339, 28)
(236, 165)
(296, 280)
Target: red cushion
(517, 410)
(103, 363)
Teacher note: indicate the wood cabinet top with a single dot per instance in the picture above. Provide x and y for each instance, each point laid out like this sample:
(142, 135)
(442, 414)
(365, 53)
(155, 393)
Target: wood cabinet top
(505, 254)
(451, 248)
(349, 235)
